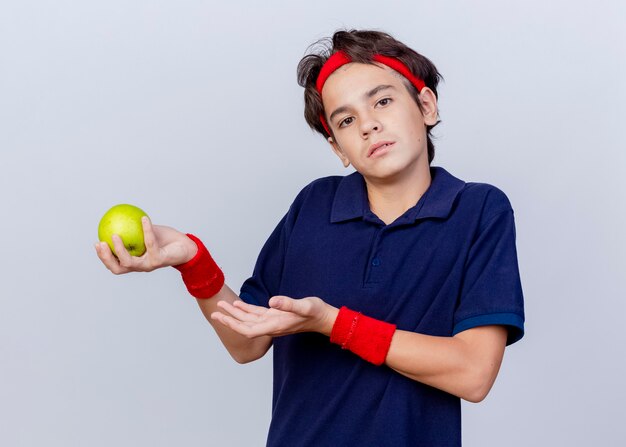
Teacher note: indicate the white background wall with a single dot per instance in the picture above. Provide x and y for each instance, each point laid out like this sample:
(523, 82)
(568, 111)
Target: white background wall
(191, 110)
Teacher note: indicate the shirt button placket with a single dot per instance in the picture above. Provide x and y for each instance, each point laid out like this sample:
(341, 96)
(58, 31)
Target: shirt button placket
(375, 269)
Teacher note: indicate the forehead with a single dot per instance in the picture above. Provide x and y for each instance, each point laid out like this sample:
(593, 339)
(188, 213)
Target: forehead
(348, 83)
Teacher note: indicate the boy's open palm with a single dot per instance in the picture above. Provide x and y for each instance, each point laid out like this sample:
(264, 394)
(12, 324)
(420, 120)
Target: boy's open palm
(285, 316)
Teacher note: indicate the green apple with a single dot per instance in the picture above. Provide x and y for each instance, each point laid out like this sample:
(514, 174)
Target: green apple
(125, 221)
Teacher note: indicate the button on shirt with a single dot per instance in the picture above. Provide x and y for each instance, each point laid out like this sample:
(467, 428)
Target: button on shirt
(446, 265)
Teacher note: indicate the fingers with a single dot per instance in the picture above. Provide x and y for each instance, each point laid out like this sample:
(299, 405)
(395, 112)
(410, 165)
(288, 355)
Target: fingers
(126, 260)
(288, 316)
(144, 263)
(123, 262)
(274, 322)
(106, 256)
(152, 258)
(241, 315)
(242, 321)
(258, 310)
(302, 306)
(149, 237)
(233, 324)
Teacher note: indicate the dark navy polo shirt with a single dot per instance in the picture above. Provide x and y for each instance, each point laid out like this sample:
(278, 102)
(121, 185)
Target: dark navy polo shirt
(447, 264)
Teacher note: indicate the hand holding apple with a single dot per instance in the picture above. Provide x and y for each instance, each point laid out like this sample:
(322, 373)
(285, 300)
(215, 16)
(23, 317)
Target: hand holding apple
(164, 246)
(125, 221)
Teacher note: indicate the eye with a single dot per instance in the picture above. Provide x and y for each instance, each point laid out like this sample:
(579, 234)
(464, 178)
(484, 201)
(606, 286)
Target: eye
(383, 102)
(344, 121)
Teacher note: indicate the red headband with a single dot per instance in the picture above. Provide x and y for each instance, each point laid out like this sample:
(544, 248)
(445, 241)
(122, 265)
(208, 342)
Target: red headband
(340, 58)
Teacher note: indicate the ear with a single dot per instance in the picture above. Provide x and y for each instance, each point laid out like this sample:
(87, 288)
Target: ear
(429, 104)
(337, 150)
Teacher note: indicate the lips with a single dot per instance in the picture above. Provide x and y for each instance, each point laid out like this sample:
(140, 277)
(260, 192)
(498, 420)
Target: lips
(378, 146)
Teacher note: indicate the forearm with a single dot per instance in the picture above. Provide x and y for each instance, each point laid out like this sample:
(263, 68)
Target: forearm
(241, 348)
(441, 362)
(197, 266)
(446, 363)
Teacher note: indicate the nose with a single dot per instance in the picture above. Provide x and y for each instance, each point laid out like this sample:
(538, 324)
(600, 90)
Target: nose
(370, 124)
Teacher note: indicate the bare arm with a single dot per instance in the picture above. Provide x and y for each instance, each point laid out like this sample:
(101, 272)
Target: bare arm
(165, 247)
(465, 365)
(241, 348)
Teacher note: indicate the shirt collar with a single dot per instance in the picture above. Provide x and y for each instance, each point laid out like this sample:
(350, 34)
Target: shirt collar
(351, 197)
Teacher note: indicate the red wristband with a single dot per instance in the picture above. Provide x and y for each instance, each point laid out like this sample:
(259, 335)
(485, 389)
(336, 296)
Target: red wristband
(201, 275)
(367, 337)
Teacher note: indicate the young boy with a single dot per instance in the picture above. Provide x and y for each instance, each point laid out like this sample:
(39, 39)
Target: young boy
(388, 294)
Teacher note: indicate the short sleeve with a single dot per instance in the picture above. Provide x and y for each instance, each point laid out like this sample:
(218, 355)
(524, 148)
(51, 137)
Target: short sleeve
(265, 279)
(266, 276)
(491, 292)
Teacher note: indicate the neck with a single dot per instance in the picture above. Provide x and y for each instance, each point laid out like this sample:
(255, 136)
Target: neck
(390, 198)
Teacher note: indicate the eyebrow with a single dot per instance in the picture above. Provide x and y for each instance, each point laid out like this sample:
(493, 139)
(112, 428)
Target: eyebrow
(367, 95)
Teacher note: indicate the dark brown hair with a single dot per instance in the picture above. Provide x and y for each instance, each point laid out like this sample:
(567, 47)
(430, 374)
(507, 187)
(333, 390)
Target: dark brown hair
(361, 46)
